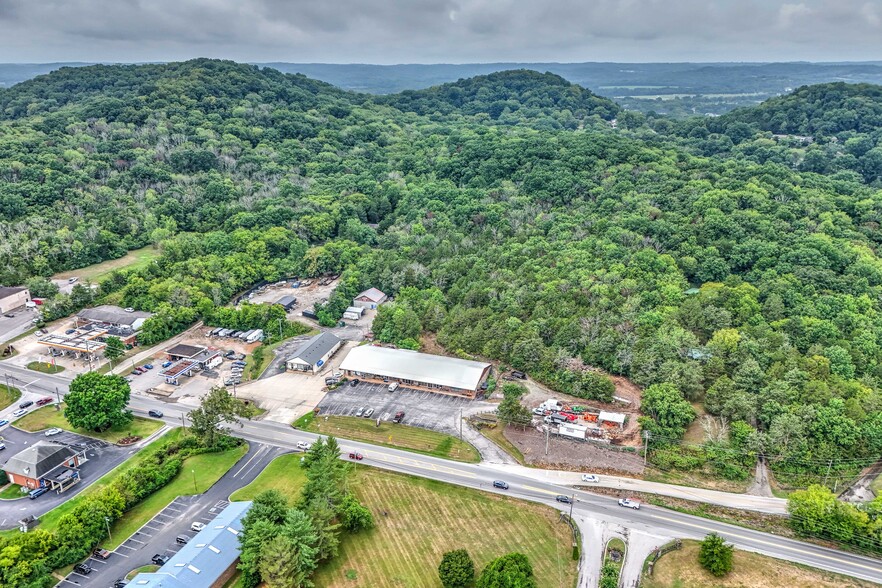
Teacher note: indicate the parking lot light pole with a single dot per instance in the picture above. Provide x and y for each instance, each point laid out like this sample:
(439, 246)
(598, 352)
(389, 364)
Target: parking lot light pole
(195, 489)
(107, 524)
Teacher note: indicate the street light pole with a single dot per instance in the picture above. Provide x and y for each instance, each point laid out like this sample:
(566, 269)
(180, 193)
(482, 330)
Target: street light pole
(195, 489)
(107, 524)
(58, 396)
(280, 330)
(572, 501)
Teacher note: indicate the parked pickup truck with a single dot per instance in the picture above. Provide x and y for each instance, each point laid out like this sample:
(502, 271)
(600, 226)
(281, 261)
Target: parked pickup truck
(399, 416)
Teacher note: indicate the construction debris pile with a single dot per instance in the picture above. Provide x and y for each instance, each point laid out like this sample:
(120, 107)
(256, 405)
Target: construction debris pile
(579, 422)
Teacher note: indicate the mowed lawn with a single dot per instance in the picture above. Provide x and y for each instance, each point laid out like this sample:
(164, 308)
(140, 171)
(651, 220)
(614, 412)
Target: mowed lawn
(283, 474)
(427, 518)
(206, 468)
(134, 259)
(390, 434)
(47, 418)
(680, 569)
(8, 395)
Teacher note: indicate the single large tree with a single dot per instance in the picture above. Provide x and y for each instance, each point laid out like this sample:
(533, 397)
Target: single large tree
(715, 555)
(97, 402)
(218, 408)
(509, 571)
(288, 560)
(114, 348)
(457, 570)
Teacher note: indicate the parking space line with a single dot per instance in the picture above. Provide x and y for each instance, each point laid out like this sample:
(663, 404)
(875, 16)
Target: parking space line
(127, 547)
(136, 541)
(77, 574)
(122, 554)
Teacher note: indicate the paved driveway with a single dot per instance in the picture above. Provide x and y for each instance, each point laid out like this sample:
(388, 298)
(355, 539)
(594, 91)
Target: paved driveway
(159, 533)
(103, 457)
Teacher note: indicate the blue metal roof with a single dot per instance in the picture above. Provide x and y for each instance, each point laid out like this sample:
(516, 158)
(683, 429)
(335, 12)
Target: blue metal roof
(205, 557)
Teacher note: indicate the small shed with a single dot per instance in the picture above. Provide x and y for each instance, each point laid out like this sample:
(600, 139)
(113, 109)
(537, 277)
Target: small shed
(370, 298)
(353, 313)
(287, 302)
(612, 417)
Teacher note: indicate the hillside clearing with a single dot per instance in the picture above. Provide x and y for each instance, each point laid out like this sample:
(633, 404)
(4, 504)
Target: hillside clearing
(134, 259)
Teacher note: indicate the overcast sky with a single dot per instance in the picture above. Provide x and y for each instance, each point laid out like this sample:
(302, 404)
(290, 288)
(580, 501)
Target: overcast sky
(433, 31)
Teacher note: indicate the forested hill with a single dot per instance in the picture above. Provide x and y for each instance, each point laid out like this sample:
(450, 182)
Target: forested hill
(827, 109)
(125, 92)
(737, 280)
(509, 97)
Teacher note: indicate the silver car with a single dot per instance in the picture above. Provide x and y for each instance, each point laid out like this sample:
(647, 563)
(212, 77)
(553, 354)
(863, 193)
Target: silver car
(367, 414)
(359, 412)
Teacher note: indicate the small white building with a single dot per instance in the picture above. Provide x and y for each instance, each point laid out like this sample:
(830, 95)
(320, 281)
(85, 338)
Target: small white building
(574, 431)
(314, 353)
(353, 313)
(370, 298)
(612, 417)
(13, 297)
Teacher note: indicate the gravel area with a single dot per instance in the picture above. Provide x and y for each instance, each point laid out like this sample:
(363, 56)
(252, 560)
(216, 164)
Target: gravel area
(572, 454)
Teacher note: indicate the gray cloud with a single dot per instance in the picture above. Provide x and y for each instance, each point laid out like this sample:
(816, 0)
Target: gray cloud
(402, 31)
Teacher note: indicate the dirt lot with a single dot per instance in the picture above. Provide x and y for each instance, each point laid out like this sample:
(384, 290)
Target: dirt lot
(306, 297)
(572, 455)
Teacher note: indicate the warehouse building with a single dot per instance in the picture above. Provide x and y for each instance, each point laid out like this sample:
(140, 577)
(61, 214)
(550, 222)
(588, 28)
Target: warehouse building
(208, 560)
(434, 373)
(113, 316)
(287, 302)
(353, 313)
(314, 353)
(46, 464)
(370, 298)
(13, 297)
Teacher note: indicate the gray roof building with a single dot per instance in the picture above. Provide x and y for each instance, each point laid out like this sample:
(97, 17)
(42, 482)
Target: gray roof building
(287, 302)
(10, 290)
(314, 352)
(38, 460)
(206, 558)
(114, 315)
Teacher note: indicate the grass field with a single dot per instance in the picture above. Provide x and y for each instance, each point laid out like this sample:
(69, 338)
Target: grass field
(8, 395)
(680, 569)
(11, 492)
(283, 474)
(47, 417)
(208, 468)
(427, 518)
(135, 259)
(45, 368)
(146, 569)
(391, 435)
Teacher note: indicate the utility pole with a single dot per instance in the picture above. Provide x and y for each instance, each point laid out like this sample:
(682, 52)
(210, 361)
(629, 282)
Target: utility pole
(572, 502)
(460, 424)
(646, 436)
(829, 467)
(107, 524)
(183, 424)
(58, 396)
(547, 435)
(280, 330)
(195, 490)
(7, 381)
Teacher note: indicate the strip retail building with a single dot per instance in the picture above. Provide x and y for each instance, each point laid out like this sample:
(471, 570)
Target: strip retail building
(421, 371)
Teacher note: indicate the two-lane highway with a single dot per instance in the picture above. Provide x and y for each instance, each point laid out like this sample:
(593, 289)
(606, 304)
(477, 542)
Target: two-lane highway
(670, 523)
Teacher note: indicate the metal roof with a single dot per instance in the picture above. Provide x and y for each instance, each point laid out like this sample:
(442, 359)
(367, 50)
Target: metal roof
(112, 314)
(355, 310)
(286, 301)
(419, 367)
(205, 557)
(38, 460)
(184, 350)
(372, 294)
(10, 290)
(611, 417)
(315, 348)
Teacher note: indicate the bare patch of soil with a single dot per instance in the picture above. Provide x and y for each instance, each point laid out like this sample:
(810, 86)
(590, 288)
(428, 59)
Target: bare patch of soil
(571, 455)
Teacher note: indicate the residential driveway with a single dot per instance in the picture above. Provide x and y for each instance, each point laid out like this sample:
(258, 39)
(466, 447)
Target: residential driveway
(159, 533)
(103, 457)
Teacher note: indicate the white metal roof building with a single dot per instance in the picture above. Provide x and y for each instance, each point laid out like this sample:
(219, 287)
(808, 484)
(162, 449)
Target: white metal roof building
(314, 353)
(436, 373)
(207, 560)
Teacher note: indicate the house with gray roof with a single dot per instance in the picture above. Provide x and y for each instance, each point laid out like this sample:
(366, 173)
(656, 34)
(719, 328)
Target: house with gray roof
(314, 353)
(208, 560)
(46, 464)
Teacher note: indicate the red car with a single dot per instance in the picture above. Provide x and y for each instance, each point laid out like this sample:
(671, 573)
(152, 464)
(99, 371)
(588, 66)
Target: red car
(356, 456)
(44, 401)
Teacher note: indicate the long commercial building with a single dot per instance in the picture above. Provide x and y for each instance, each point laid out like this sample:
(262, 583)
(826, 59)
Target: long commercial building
(434, 373)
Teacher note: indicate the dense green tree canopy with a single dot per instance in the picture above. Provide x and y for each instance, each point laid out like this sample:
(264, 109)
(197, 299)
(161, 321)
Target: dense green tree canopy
(97, 402)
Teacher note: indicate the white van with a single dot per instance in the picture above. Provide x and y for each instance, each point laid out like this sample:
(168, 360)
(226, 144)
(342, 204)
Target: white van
(393, 386)
(31, 304)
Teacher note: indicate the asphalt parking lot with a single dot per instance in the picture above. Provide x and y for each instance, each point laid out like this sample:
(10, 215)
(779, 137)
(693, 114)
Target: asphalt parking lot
(102, 457)
(428, 410)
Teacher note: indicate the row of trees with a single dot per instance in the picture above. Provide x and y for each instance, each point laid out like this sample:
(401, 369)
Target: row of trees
(281, 544)
(513, 570)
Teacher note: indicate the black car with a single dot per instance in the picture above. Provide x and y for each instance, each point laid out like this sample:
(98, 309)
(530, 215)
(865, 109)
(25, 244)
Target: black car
(157, 414)
(9, 315)
(84, 569)
(564, 499)
(26, 404)
(518, 375)
(159, 559)
(120, 583)
(355, 382)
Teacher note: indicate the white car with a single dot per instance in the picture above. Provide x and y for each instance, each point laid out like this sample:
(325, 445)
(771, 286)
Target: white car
(590, 478)
(129, 309)
(303, 445)
(197, 527)
(19, 412)
(53, 431)
(628, 503)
